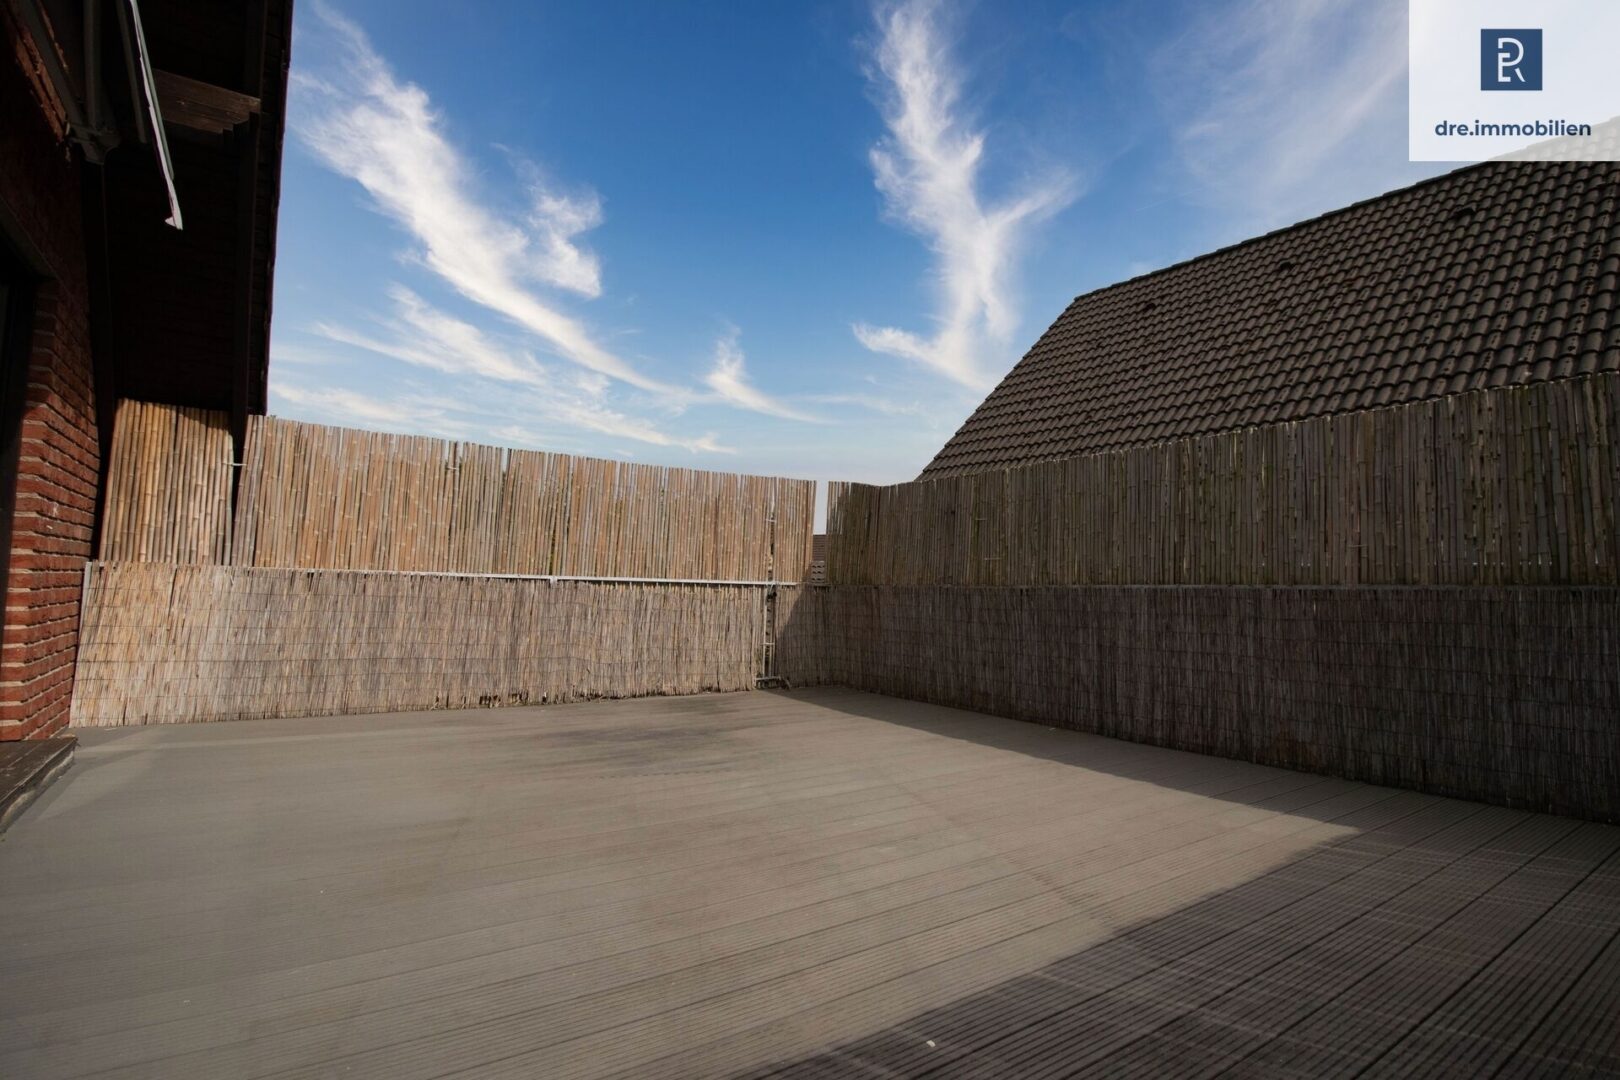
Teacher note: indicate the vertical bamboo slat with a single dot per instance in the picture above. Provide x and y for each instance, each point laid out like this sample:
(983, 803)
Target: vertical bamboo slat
(413, 503)
(324, 497)
(168, 485)
(1511, 487)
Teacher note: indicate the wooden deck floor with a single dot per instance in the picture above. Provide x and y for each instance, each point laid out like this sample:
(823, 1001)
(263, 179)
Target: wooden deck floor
(821, 883)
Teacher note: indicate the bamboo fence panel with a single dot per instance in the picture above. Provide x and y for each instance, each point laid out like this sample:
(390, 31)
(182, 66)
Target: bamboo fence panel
(182, 643)
(168, 485)
(328, 497)
(1508, 486)
(317, 496)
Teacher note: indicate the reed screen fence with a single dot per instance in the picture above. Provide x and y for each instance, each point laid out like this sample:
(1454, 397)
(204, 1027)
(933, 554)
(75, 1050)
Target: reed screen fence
(1505, 694)
(169, 643)
(327, 497)
(168, 485)
(1507, 486)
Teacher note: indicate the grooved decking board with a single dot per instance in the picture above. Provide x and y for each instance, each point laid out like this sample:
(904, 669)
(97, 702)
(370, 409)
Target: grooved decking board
(821, 882)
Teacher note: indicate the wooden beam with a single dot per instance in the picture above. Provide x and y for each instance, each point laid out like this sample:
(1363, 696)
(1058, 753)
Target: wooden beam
(202, 106)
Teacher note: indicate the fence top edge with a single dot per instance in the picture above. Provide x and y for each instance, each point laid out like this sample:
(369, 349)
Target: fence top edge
(599, 578)
(1531, 586)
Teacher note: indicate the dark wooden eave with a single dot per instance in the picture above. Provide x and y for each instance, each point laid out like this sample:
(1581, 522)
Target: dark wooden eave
(193, 309)
(200, 106)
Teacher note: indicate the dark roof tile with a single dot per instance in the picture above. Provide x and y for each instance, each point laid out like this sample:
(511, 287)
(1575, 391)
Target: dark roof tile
(1395, 299)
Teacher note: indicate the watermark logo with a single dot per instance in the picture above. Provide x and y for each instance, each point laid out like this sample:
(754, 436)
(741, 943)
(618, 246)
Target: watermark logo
(1563, 98)
(1510, 59)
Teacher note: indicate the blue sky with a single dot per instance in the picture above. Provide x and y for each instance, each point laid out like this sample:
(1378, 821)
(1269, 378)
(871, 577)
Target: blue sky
(798, 239)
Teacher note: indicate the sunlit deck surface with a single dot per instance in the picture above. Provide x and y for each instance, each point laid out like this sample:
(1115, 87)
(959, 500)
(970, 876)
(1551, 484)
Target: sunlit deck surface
(816, 883)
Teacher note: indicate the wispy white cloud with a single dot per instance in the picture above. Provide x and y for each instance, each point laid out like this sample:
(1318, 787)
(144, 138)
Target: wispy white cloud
(519, 421)
(871, 402)
(556, 219)
(929, 169)
(594, 416)
(1285, 108)
(355, 409)
(509, 383)
(285, 353)
(424, 336)
(367, 124)
(728, 379)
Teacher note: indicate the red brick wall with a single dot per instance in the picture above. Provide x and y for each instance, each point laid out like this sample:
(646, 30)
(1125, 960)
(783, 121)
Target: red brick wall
(50, 537)
(58, 461)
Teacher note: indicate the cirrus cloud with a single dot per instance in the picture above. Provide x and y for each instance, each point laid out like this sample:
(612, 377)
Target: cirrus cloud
(511, 259)
(517, 384)
(929, 168)
(728, 380)
(367, 124)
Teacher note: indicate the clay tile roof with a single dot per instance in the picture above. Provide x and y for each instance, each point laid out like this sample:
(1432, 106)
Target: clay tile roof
(1493, 275)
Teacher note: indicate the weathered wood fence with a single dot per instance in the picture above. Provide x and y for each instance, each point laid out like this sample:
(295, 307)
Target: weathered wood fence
(326, 497)
(1510, 486)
